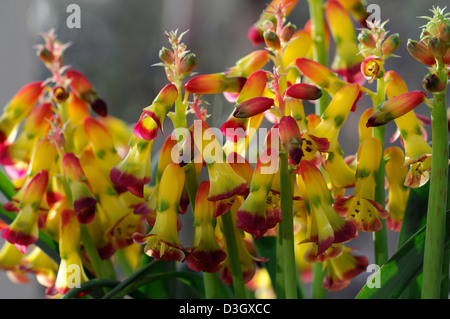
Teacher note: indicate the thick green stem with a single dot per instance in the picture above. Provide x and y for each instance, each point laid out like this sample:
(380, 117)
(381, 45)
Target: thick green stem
(211, 284)
(103, 268)
(280, 289)
(319, 46)
(317, 289)
(233, 255)
(437, 200)
(287, 226)
(380, 237)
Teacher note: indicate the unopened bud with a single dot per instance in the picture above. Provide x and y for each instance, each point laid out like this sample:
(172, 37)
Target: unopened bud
(166, 56)
(390, 44)
(420, 52)
(272, 40)
(444, 35)
(99, 107)
(366, 39)
(60, 94)
(45, 55)
(188, 63)
(435, 46)
(287, 32)
(432, 83)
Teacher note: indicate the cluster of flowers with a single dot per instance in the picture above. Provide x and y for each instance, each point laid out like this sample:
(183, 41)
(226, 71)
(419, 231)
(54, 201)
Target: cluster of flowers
(73, 169)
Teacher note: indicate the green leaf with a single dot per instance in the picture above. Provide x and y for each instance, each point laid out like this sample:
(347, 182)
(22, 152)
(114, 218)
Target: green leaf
(401, 269)
(6, 186)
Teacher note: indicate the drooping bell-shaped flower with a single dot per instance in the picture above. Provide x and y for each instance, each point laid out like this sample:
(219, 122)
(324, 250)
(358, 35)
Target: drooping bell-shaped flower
(347, 61)
(134, 171)
(224, 181)
(152, 116)
(331, 122)
(40, 264)
(10, 262)
(340, 173)
(23, 231)
(410, 128)
(251, 215)
(71, 270)
(84, 201)
(162, 242)
(342, 269)
(291, 138)
(324, 225)
(361, 208)
(398, 193)
(18, 108)
(205, 254)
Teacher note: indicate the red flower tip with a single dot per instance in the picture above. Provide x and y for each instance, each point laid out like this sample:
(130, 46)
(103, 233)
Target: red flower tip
(303, 91)
(253, 107)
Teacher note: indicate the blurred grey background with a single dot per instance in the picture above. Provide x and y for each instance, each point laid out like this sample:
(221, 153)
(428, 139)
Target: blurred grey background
(119, 41)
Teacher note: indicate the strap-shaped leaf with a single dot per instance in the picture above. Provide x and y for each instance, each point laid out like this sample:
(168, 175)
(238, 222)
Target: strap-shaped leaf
(403, 267)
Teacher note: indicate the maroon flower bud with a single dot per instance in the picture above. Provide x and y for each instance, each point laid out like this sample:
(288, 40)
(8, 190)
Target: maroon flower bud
(436, 47)
(432, 83)
(99, 107)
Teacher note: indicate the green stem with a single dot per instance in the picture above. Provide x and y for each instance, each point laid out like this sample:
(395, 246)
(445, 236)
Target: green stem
(280, 289)
(317, 289)
(129, 280)
(211, 284)
(233, 255)
(380, 237)
(287, 226)
(103, 268)
(6, 187)
(437, 200)
(319, 46)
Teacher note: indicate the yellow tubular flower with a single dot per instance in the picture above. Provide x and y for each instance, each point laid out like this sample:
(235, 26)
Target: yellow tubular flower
(417, 150)
(153, 115)
(225, 182)
(162, 242)
(205, 253)
(134, 171)
(38, 263)
(17, 109)
(23, 231)
(251, 215)
(361, 208)
(342, 269)
(249, 64)
(331, 122)
(340, 173)
(10, 261)
(398, 193)
(347, 61)
(324, 225)
(71, 270)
